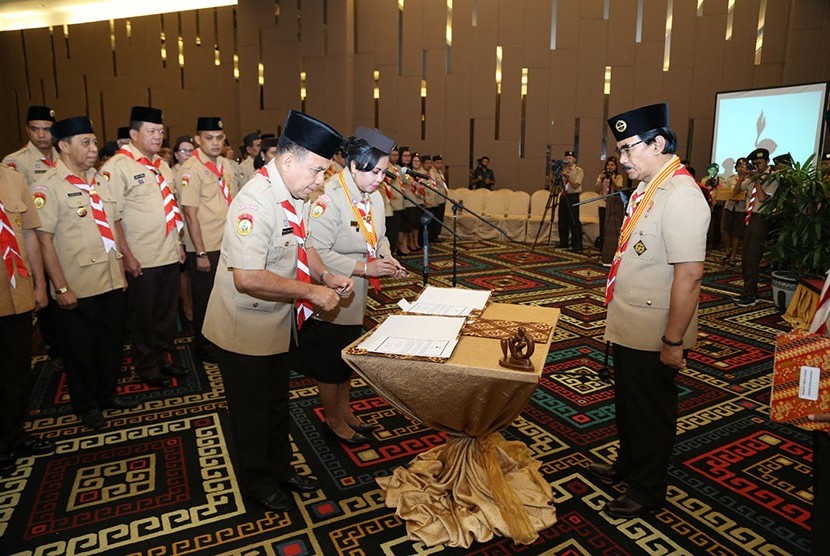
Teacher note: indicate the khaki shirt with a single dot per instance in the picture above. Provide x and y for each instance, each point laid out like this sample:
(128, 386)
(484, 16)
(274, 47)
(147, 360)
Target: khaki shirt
(142, 208)
(334, 234)
(769, 188)
(65, 211)
(257, 236)
(199, 187)
(396, 201)
(29, 162)
(246, 170)
(735, 202)
(571, 176)
(22, 215)
(673, 230)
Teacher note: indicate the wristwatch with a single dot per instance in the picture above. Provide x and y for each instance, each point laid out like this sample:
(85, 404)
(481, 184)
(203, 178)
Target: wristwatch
(62, 290)
(201, 254)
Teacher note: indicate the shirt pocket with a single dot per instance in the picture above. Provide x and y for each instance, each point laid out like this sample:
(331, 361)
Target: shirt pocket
(249, 303)
(644, 243)
(79, 210)
(649, 298)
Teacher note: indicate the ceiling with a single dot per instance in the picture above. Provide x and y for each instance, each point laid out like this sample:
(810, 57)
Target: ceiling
(26, 14)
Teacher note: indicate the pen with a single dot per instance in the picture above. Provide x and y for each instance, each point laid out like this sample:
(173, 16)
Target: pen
(341, 291)
(398, 268)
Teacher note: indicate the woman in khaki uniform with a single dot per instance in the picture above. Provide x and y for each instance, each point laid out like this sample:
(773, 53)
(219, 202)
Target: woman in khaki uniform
(346, 229)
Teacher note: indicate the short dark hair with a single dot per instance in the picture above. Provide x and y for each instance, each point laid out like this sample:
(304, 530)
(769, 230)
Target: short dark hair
(649, 136)
(286, 146)
(359, 151)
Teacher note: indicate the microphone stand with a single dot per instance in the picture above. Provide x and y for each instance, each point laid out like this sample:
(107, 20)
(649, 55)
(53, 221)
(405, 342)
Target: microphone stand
(426, 216)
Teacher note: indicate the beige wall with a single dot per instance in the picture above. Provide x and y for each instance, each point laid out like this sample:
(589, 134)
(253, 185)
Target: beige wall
(340, 49)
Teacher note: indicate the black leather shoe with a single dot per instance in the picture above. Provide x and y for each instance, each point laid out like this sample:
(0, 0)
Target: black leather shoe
(119, 402)
(277, 501)
(34, 447)
(7, 464)
(605, 473)
(156, 381)
(93, 418)
(625, 507)
(170, 370)
(355, 440)
(298, 483)
(364, 427)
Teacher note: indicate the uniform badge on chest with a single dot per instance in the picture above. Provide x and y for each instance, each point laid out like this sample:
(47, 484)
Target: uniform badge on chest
(640, 247)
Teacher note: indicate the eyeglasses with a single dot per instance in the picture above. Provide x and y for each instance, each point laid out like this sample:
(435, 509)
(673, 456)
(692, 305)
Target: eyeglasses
(625, 150)
(185, 151)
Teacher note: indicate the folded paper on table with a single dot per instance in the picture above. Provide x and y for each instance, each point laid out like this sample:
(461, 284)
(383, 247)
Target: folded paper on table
(448, 301)
(424, 336)
(801, 379)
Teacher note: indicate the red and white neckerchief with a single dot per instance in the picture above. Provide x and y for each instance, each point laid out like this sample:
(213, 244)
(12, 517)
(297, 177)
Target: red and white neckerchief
(638, 206)
(48, 162)
(304, 307)
(97, 207)
(10, 249)
(363, 213)
(750, 204)
(819, 324)
(172, 214)
(216, 171)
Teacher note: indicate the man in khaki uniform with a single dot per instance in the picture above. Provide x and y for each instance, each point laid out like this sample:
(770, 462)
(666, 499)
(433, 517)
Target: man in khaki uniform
(149, 239)
(394, 200)
(22, 290)
(652, 297)
(570, 228)
(436, 172)
(251, 143)
(207, 185)
(264, 273)
(38, 156)
(35, 161)
(77, 238)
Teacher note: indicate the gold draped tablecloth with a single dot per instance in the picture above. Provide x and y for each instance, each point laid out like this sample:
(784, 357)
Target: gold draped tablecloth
(477, 485)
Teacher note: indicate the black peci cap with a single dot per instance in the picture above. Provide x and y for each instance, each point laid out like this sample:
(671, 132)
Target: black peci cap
(145, 114)
(249, 139)
(71, 127)
(638, 121)
(758, 154)
(208, 123)
(40, 113)
(569, 153)
(123, 133)
(311, 134)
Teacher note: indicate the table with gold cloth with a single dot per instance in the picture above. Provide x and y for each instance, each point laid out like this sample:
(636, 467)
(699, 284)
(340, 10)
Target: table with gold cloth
(477, 485)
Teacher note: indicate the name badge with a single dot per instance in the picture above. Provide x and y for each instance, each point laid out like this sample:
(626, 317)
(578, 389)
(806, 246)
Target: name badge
(74, 194)
(286, 231)
(353, 224)
(138, 176)
(40, 171)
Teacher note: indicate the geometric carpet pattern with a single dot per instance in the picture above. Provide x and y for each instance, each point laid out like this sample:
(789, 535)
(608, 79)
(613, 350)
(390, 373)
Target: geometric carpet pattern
(159, 479)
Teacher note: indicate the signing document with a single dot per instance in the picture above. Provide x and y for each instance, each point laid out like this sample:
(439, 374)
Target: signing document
(415, 335)
(450, 302)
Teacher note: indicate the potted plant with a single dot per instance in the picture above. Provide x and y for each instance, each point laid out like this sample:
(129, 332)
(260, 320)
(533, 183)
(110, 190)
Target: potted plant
(800, 230)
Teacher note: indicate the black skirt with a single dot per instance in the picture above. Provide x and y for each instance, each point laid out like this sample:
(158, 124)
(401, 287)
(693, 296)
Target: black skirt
(320, 345)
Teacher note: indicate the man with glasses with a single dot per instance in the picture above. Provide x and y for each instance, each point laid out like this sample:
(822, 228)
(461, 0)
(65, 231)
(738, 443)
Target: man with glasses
(207, 186)
(38, 156)
(149, 238)
(652, 297)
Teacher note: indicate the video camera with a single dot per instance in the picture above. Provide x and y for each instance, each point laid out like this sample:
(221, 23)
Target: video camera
(557, 165)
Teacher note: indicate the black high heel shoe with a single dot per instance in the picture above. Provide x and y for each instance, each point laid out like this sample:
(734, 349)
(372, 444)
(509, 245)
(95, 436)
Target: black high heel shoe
(356, 439)
(364, 427)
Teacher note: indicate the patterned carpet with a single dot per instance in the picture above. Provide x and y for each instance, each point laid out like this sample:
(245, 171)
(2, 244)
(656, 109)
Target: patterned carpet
(159, 481)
